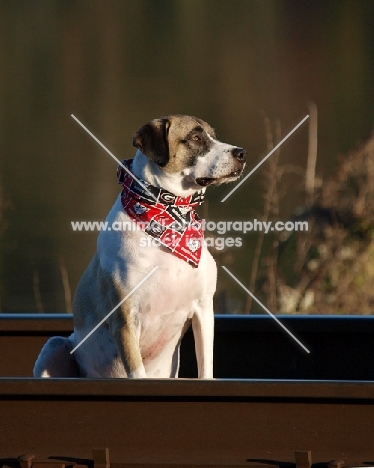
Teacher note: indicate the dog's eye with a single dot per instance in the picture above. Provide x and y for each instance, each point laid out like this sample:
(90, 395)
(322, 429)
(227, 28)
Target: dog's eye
(196, 138)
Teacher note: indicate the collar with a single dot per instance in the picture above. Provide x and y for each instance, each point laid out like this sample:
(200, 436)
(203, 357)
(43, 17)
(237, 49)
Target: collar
(169, 218)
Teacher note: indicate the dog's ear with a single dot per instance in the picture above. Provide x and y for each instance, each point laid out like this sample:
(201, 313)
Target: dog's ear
(152, 140)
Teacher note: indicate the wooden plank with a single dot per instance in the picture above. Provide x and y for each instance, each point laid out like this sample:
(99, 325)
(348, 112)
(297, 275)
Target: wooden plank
(101, 458)
(25, 460)
(48, 464)
(303, 459)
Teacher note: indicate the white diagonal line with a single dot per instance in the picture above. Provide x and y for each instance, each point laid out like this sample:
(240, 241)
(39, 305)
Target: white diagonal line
(265, 158)
(266, 310)
(115, 308)
(116, 159)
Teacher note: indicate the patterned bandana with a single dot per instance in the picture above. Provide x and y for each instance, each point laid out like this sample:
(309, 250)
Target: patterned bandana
(171, 219)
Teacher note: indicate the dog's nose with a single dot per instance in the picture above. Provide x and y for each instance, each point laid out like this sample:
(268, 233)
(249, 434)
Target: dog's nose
(240, 154)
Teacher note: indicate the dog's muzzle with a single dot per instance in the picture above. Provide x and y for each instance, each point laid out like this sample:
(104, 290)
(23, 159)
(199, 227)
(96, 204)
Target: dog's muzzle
(240, 154)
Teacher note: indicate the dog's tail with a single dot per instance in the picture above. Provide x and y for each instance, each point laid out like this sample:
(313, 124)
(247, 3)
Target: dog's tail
(55, 360)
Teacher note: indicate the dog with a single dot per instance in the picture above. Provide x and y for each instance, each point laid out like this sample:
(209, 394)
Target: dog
(177, 158)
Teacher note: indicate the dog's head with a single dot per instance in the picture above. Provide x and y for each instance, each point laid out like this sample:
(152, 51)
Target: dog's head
(187, 146)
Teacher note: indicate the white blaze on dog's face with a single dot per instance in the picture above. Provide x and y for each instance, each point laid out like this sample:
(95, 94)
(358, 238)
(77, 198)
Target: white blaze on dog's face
(187, 152)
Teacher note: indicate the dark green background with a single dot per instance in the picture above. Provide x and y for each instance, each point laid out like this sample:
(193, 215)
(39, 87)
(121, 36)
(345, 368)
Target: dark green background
(116, 65)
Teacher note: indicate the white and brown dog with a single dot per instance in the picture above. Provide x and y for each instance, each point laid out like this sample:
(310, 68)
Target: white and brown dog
(178, 156)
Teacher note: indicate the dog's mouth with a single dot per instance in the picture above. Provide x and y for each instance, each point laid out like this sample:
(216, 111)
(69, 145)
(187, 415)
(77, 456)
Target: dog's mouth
(205, 181)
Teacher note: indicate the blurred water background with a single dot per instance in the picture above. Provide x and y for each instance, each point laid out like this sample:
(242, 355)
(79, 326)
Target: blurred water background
(116, 65)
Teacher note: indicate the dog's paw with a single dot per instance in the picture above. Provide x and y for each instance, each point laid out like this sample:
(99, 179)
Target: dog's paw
(138, 373)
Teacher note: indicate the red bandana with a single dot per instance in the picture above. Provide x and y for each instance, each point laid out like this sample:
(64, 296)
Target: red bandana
(165, 216)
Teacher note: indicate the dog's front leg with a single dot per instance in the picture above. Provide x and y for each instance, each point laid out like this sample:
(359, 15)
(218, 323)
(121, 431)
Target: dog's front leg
(126, 335)
(203, 331)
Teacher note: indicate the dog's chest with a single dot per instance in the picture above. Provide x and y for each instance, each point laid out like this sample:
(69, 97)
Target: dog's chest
(167, 300)
(169, 304)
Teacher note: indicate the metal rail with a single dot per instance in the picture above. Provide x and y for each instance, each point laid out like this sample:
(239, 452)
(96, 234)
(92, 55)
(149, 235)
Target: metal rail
(188, 421)
(281, 401)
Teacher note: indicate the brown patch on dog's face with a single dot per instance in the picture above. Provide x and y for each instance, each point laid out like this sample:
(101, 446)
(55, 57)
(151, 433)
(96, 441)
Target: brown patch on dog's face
(189, 138)
(174, 142)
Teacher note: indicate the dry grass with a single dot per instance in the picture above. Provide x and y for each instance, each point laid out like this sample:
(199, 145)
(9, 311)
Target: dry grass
(330, 268)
